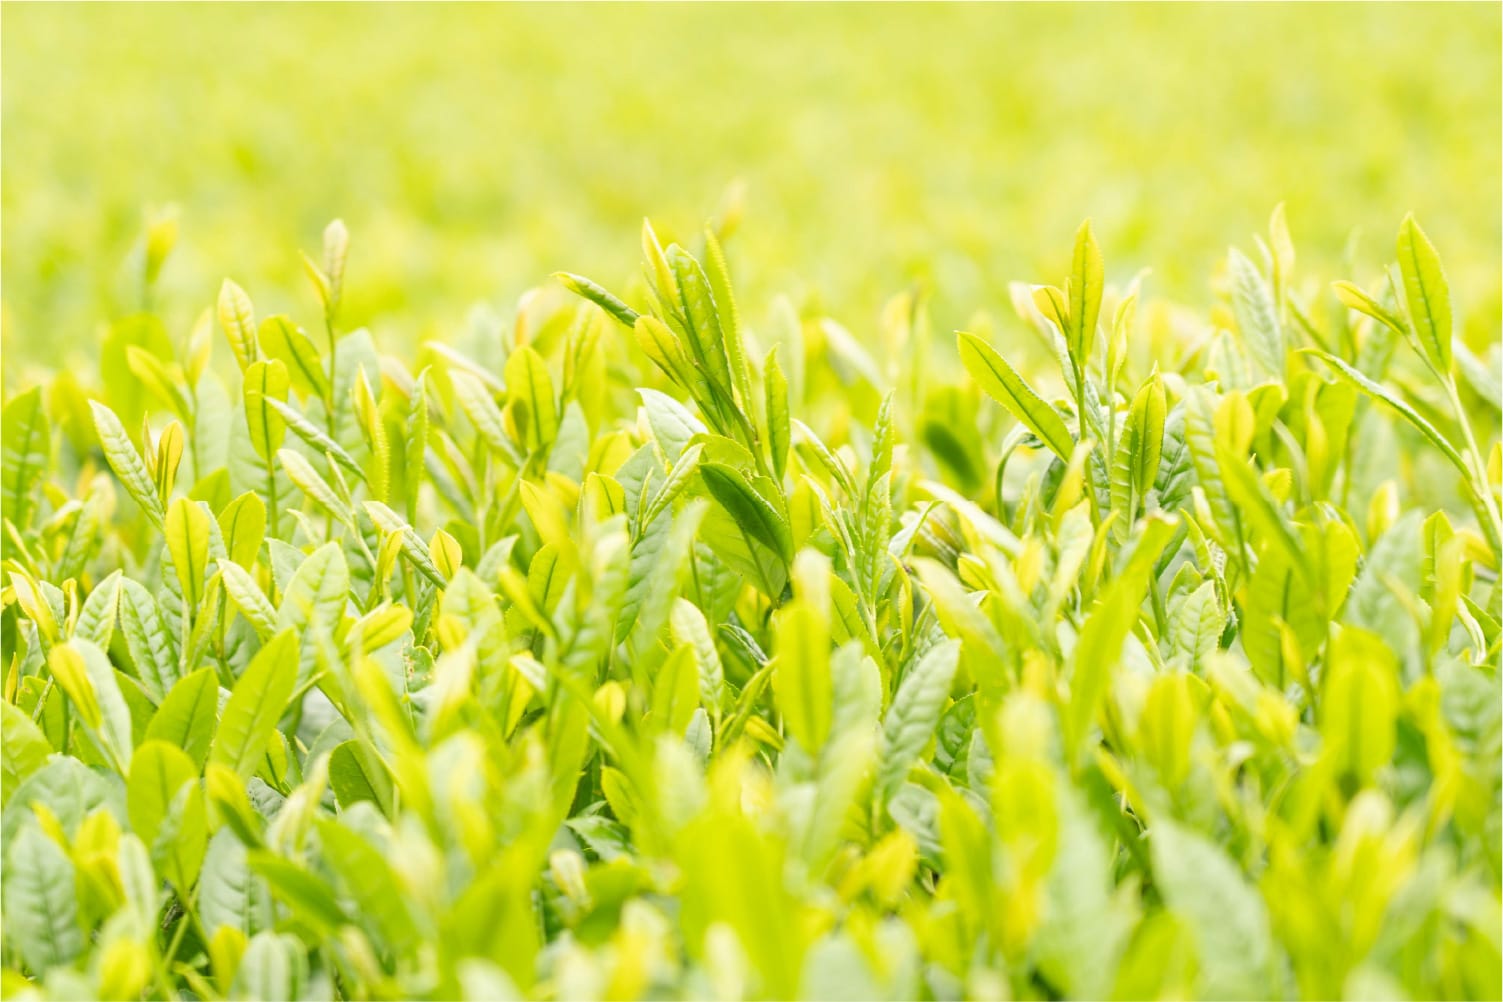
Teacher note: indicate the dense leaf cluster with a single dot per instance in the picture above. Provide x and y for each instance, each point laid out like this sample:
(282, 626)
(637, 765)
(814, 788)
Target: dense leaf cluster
(643, 654)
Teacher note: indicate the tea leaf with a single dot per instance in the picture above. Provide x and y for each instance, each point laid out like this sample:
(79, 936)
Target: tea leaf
(40, 899)
(27, 448)
(284, 341)
(255, 705)
(1257, 315)
(238, 321)
(187, 715)
(127, 463)
(1087, 280)
(1006, 387)
(1427, 294)
(751, 511)
(915, 711)
(1230, 920)
(581, 286)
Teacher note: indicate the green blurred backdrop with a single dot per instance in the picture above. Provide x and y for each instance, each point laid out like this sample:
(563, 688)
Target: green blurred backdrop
(475, 149)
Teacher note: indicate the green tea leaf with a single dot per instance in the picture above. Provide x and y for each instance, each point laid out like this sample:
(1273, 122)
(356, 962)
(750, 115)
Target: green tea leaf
(284, 341)
(187, 715)
(127, 463)
(413, 547)
(1087, 281)
(249, 599)
(1229, 919)
(158, 770)
(751, 511)
(1393, 400)
(321, 443)
(1006, 387)
(1257, 315)
(265, 381)
(151, 645)
(530, 395)
(370, 881)
(355, 777)
(583, 287)
(26, 446)
(1099, 647)
(255, 705)
(1360, 703)
(23, 748)
(187, 532)
(41, 909)
(1427, 293)
(83, 672)
(238, 321)
(777, 413)
(915, 712)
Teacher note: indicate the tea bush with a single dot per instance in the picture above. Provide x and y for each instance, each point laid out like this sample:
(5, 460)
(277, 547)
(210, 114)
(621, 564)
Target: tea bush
(650, 646)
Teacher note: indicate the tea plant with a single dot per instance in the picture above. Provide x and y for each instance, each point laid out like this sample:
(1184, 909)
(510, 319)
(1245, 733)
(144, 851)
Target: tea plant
(637, 653)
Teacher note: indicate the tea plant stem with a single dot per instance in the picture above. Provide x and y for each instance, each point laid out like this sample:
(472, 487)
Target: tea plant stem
(1480, 485)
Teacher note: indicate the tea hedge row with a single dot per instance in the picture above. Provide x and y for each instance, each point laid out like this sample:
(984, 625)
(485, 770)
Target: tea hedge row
(650, 652)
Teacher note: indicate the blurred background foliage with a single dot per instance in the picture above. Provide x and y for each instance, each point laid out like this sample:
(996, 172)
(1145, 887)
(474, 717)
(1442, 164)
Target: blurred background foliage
(475, 149)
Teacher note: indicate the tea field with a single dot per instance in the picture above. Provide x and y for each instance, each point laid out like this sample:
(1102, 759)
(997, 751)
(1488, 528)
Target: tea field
(423, 578)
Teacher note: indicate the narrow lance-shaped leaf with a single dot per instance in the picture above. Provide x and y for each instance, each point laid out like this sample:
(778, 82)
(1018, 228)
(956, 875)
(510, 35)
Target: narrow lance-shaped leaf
(286, 342)
(127, 463)
(248, 598)
(750, 510)
(26, 441)
(336, 251)
(308, 432)
(238, 320)
(242, 525)
(84, 673)
(416, 445)
(40, 902)
(581, 286)
(702, 322)
(530, 397)
(255, 705)
(679, 478)
(1355, 299)
(1099, 647)
(1257, 315)
(378, 442)
(478, 405)
(307, 479)
(1087, 281)
(187, 532)
(730, 321)
(1002, 383)
(1136, 464)
(687, 622)
(778, 427)
(165, 380)
(413, 547)
(915, 712)
(186, 718)
(1379, 392)
(1427, 293)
